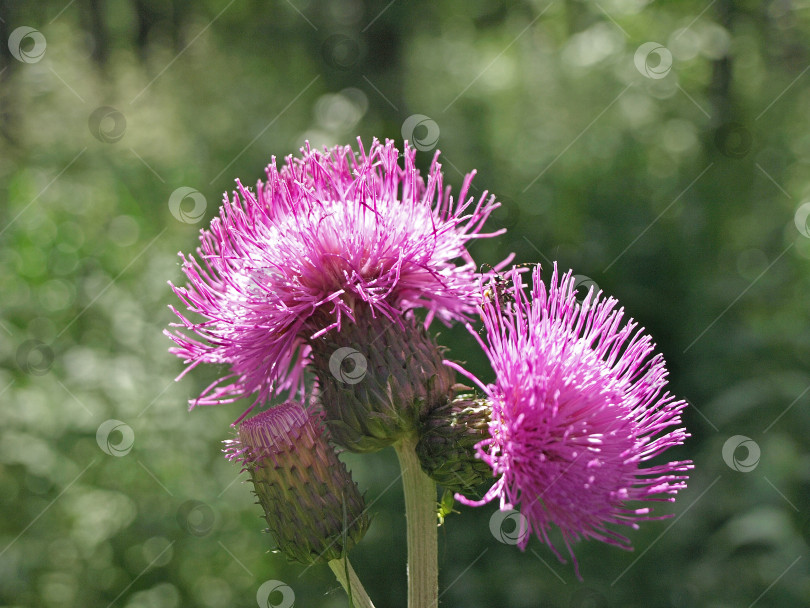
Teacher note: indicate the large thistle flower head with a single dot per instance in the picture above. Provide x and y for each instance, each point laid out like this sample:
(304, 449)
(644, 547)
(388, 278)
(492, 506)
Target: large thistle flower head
(578, 406)
(327, 235)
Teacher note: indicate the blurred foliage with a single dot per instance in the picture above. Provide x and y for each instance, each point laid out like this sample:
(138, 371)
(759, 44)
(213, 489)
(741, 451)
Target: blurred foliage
(675, 194)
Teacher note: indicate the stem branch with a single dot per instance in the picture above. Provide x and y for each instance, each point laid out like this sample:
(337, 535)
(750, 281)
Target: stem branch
(346, 576)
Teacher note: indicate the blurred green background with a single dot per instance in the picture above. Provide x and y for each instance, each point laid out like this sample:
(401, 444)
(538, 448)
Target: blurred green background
(672, 174)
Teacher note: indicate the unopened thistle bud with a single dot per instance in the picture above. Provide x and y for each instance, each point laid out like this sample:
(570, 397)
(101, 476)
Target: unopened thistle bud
(447, 440)
(376, 378)
(314, 510)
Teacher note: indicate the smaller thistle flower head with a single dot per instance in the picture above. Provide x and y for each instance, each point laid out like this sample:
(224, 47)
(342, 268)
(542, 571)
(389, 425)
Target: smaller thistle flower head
(326, 237)
(578, 405)
(314, 510)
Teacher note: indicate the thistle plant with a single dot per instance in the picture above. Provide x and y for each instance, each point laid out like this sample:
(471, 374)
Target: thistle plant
(332, 240)
(578, 405)
(447, 440)
(319, 291)
(314, 510)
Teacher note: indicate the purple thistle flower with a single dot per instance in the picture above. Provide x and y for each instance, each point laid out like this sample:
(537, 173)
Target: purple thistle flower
(325, 235)
(578, 404)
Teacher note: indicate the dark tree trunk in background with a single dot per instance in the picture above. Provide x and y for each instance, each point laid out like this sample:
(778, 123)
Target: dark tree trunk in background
(95, 23)
(720, 87)
(146, 20)
(7, 67)
(179, 10)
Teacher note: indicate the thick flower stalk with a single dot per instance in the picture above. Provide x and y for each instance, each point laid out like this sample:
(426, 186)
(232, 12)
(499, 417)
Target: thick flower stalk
(329, 238)
(314, 510)
(578, 405)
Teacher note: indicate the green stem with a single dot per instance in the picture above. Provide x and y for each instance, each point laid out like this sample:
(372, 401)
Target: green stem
(420, 512)
(348, 579)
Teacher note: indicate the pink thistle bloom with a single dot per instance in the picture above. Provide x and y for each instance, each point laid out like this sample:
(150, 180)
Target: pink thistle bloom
(325, 235)
(578, 404)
